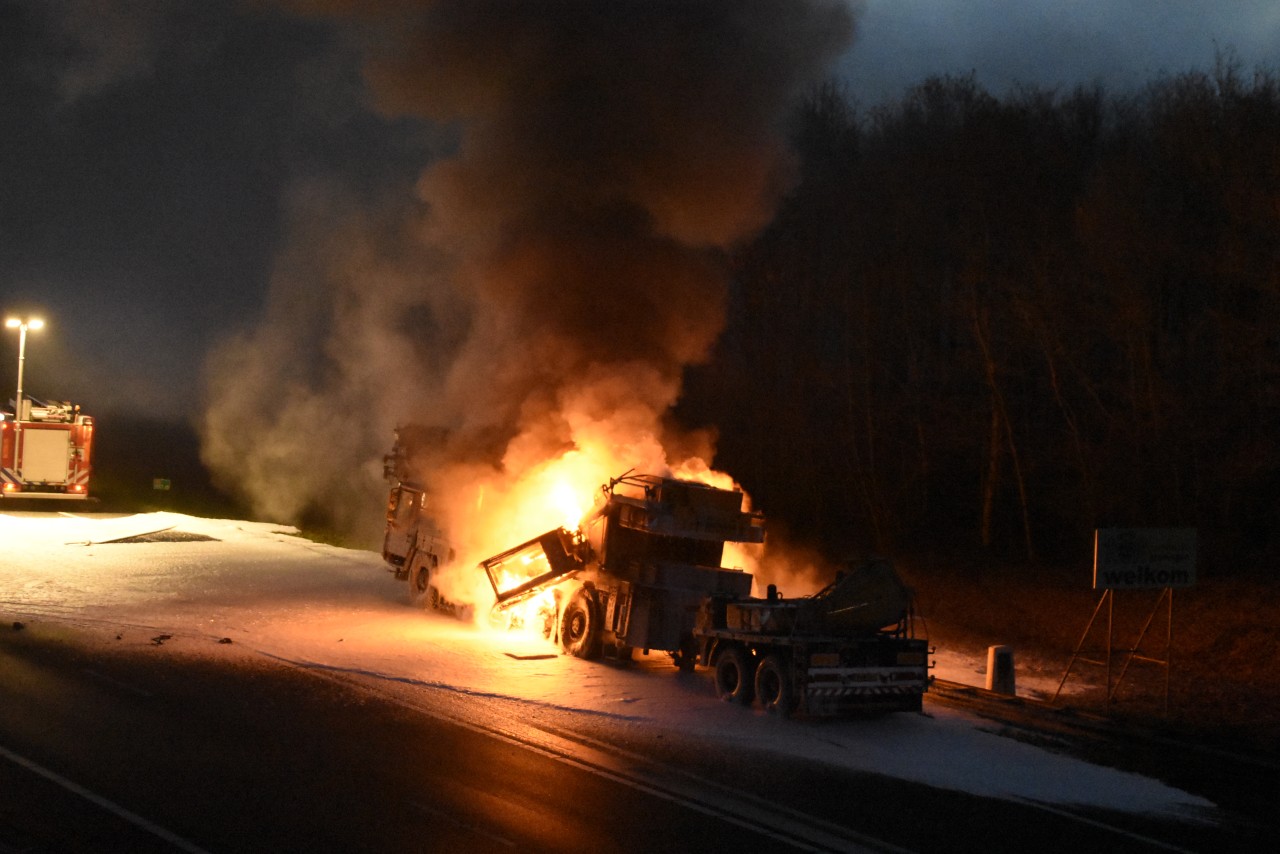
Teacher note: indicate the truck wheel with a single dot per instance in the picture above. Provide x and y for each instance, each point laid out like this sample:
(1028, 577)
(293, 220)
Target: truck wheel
(773, 686)
(733, 676)
(421, 593)
(580, 626)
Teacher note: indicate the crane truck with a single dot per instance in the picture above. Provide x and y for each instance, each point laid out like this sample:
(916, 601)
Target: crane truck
(848, 648)
(45, 451)
(642, 572)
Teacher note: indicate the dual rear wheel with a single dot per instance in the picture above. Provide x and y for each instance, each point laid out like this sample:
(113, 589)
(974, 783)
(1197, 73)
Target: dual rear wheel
(774, 686)
(740, 679)
(734, 676)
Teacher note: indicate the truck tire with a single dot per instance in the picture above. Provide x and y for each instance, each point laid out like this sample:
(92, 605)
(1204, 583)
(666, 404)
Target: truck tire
(421, 592)
(774, 686)
(580, 626)
(733, 676)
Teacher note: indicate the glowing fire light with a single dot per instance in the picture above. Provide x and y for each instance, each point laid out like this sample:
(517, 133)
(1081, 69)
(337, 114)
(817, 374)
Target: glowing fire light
(536, 614)
(489, 509)
(567, 504)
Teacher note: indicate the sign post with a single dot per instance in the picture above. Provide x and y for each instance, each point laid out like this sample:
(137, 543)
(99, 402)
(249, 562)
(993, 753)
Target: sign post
(1137, 559)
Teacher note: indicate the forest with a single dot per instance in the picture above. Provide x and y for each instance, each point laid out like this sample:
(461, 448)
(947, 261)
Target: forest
(993, 324)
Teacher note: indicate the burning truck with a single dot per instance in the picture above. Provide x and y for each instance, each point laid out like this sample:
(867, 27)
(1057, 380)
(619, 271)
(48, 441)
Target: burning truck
(642, 571)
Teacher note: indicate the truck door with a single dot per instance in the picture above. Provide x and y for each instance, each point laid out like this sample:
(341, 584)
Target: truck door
(403, 504)
(45, 454)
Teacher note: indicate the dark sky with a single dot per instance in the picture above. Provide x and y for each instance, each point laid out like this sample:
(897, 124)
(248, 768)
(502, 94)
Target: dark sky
(146, 152)
(1122, 44)
(151, 151)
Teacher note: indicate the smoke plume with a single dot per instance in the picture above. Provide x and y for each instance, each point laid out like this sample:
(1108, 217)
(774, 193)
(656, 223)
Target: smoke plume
(535, 304)
(96, 45)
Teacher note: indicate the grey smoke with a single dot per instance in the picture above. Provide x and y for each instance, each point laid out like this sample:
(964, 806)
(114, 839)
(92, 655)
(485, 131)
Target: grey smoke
(567, 253)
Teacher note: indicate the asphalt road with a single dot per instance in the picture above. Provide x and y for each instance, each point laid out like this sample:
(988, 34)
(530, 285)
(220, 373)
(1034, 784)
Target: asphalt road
(136, 752)
(108, 748)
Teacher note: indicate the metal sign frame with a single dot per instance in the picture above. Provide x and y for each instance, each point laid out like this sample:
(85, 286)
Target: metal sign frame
(1136, 559)
(1130, 653)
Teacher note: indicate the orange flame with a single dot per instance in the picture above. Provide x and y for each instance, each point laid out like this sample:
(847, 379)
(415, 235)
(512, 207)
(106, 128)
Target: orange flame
(488, 509)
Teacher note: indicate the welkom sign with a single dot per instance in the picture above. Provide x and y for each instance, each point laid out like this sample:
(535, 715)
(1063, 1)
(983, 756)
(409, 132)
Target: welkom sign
(1144, 558)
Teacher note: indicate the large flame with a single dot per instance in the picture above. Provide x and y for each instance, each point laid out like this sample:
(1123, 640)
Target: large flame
(535, 615)
(488, 510)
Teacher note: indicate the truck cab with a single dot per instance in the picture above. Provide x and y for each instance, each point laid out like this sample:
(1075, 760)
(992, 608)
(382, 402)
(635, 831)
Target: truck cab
(413, 545)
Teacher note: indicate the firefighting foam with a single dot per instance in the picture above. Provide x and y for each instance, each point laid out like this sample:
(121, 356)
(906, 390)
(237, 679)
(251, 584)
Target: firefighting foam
(534, 298)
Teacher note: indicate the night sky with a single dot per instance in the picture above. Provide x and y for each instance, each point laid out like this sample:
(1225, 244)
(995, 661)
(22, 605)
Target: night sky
(150, 149)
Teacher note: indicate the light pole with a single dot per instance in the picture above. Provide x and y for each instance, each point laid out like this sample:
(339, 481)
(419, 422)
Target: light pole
(22, 326)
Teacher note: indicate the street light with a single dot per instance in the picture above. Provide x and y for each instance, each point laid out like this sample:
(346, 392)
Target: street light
(32, 323)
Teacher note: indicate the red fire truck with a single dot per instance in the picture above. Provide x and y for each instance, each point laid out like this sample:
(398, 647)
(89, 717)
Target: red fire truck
(45, 453)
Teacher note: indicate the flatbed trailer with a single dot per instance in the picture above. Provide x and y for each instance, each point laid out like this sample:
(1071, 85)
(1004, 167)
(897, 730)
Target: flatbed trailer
(849, 648)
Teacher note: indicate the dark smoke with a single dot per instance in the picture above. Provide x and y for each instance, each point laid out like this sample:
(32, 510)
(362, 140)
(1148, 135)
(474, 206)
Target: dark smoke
(564, 263)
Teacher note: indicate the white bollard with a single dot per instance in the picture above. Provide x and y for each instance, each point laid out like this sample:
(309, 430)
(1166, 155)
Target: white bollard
(1000, 670)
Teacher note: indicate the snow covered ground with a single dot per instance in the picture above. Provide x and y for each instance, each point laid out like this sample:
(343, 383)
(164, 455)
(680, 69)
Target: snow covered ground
(271, 591)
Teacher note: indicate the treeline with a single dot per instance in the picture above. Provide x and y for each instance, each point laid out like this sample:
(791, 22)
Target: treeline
(998, 323)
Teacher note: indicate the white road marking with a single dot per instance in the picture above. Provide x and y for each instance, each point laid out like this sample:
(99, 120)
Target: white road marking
(110, 806)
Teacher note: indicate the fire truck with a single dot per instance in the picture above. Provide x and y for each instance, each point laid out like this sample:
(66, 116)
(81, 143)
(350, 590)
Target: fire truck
(45, 453)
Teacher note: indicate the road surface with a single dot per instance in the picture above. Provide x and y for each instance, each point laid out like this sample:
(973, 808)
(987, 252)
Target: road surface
(108, 748)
